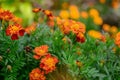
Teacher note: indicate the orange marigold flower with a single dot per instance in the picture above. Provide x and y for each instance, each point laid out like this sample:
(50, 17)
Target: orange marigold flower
(14, 31)
(114, 29)
(48, 63)
(48, 13)
(106, 27)
(102, 1)
(37, 74)
(35, 10)
(30, 28)
(84, 14)
(6, 15)
(117, 39)
(16, 20)
(98, 20)
(40, 51)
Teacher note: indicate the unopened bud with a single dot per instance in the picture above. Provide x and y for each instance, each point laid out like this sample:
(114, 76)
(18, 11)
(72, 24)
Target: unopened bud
(9, 67)
(1, 58)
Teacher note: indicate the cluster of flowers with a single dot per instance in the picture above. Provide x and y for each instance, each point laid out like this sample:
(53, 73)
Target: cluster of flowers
(74, 13)
(77, 28)
(47, 63)
(65, 25)
(14, 28)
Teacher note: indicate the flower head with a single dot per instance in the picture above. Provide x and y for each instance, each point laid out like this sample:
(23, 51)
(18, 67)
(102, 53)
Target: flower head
(35, 10)
(64, 14)
(40, 51)
(37, 74)
(117, 39)
(15, 31)
(74, 12)
(48, 63)
(5, 15)
(30, 28)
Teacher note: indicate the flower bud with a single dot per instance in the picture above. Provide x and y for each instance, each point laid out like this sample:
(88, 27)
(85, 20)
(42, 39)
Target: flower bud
(1, 58)
(9, 67)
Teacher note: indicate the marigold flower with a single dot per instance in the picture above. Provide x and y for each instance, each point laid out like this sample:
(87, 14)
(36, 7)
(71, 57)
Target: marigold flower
(84, 14)
(37, 74)
(16, 20)
(48, 13)
(14, 31)
(95, 34)
(102, 1)
(48, 63)
(115, 4)
(93, 13)
(64, 14)
(30, 28)
(40, 51)
(98, 20)
(6, 15)
(74, 12)
(35, 10)
(117, 39)
(113, 29)
(106, 27)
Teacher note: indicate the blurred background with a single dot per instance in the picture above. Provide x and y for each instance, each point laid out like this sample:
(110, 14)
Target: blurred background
(109, 10)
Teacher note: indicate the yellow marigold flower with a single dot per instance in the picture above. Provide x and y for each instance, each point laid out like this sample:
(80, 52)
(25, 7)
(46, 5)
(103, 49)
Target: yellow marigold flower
(37, 74)
(113, 29)
(93, 13)
(74, 12)
(117, 39)
(98, 20)
(30, 28)
(84, 14)
(106, 27)
(48, 63)
(102, 1)
(64, 14)
(40, 51)
(95, 34)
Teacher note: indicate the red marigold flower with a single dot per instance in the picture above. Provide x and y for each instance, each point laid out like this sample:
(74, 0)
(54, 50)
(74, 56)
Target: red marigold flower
(35, 10)
(14, 37)
(48, 63)
(37, 74)
(6, 15)
(14, 31)
(40, 51)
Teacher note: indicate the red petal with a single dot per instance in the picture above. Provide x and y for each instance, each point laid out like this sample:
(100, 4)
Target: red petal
(36, 57)
(21, 32)
(7, 32)
(14, 37)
